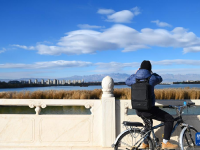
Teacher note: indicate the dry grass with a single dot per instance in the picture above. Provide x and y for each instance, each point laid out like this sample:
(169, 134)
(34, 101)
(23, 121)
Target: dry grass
(171, 93)
(53, 94)
(179, 93)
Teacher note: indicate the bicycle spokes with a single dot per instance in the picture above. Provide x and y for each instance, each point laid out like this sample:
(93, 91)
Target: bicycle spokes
(189, 139)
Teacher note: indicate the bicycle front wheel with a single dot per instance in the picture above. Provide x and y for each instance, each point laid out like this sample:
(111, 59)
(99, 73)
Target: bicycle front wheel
(128, 141)
(188, 139)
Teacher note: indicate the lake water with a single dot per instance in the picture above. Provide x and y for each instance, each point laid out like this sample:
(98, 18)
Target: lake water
(93, 87)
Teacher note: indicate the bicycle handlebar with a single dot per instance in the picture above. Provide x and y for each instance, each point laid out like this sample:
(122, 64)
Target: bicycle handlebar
(190, 104)
(173, 107)
(169, 106)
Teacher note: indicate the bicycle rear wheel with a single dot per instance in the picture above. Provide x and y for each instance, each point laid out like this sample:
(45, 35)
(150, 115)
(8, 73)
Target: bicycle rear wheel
(188, 140)
(127, 141)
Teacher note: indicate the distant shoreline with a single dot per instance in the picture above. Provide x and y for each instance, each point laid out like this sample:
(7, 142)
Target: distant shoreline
(6, 85)
(186, 82)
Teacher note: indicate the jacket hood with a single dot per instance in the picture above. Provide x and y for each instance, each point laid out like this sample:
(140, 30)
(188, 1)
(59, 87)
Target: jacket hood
(142, 74)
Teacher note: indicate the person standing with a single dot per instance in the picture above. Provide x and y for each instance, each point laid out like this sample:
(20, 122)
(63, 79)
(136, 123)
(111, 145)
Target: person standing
(145, 71)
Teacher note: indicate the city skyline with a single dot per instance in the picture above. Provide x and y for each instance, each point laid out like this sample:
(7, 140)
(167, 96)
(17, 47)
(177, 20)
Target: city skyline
(57, 39)
(47, 81)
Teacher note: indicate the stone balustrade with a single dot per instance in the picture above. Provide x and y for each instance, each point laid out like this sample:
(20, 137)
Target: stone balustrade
(98, 128)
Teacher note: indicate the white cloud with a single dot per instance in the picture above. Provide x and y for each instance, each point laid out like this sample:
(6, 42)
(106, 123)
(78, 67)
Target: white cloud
(24, 47)
(179, 71)
(124, 16)
(120, 37)
(109, 65)
(135, 47)
(87, 26)
(78, 42)
(177, 62)
(161, 24)
(48, 65)
(191, 49)
(114, 66)
(3, 50)
(105, 11)
(136, 11)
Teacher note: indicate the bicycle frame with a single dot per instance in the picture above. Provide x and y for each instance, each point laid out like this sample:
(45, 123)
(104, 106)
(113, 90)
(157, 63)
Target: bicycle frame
(178, 119)
(178, 122)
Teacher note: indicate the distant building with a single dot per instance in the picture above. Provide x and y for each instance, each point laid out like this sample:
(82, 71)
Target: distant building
(74, 81)
(23, 82)
(29, 81)
(63, 82)
(36, 81)
(69, 82)
(57, 82)
(54, 82)
(48, 82)
(189, 81)
(42, 81)
(82, 81)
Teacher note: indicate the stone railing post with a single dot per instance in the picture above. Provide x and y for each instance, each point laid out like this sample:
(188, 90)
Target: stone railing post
(108, 112)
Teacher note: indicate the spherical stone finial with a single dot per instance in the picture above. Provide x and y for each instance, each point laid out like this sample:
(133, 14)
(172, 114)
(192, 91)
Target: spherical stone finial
(107, 86)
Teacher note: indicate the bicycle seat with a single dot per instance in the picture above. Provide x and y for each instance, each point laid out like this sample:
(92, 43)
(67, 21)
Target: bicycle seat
(137, 124)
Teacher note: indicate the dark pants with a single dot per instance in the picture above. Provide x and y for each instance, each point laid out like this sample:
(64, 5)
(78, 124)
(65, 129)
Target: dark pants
(160, 115)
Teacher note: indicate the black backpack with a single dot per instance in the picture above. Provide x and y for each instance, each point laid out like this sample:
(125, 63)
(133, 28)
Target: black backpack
(141, 95)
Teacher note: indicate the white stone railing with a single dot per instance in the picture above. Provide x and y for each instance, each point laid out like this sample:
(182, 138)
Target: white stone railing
(99, 128)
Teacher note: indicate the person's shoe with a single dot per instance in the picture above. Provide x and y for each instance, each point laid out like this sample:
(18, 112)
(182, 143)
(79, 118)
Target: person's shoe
(143, 146)
(169, 145)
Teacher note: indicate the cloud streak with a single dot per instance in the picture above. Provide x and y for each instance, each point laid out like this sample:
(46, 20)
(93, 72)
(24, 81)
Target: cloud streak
(177, 62)
(48, 65)
(105, 11)
(178, 71)
(87, 26)
(3, 50)
(161, 24)
(24, 47)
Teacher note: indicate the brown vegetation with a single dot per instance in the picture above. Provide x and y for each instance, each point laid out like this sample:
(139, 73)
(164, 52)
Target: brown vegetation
(179, 93)
(53, 94)
(171, 93)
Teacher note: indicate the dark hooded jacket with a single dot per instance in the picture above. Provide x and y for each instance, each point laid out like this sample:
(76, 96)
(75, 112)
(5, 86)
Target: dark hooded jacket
(142, 74)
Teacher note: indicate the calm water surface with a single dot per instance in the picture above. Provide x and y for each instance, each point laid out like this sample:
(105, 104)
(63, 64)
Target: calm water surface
(93, 87)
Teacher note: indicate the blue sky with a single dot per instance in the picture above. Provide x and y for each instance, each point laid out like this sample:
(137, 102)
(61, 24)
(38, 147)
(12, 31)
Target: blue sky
(62, 38)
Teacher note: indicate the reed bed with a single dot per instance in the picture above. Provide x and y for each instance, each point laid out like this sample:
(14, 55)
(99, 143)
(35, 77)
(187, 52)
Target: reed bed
(53, 94)
(125, 93)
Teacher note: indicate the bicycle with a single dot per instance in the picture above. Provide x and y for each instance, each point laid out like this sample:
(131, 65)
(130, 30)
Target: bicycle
(138, 135)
